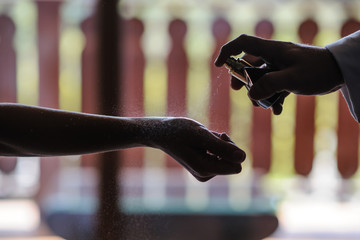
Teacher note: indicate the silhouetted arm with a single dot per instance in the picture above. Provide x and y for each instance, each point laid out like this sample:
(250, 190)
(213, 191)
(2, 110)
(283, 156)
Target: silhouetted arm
(35, 131)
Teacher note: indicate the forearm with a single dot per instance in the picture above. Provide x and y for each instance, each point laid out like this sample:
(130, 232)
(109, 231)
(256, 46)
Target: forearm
(34, 131)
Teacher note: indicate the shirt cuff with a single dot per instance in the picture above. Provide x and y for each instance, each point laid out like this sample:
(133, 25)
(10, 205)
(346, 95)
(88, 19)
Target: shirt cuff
(346, 52)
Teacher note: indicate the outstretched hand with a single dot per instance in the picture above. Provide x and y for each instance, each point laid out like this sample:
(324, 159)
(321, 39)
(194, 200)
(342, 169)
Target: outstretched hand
(202, 152)
(301, 69)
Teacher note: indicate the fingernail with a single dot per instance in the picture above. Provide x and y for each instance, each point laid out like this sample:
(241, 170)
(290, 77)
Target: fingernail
(225, 137)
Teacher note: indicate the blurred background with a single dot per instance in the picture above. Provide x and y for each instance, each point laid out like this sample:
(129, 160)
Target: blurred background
(301, 166)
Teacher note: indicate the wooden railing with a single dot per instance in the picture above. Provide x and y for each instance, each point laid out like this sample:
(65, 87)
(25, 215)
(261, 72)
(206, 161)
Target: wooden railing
(177, 67)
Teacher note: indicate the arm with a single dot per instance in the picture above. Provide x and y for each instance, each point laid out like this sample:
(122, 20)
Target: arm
(35, 131)
(301, 69)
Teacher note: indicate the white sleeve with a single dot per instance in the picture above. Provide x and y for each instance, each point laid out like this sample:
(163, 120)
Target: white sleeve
(346, 52)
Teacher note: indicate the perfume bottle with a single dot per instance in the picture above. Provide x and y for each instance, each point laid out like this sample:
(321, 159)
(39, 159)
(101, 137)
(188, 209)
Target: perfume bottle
(248, 74)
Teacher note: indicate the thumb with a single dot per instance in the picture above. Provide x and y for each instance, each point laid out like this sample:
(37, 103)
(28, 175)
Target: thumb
(268, 85)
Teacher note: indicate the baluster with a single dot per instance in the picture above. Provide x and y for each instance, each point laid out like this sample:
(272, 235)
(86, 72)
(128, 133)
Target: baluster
(89, 74)
(8, 61)
(132, 98)
(348, 129)
(7, 77)
(177, 65)
(261, 119)
(48, 46)
(134, 67)
(219, 109)
(48, 23)
(133, 82)
(89, 68)
(109, 225)
(305, 112)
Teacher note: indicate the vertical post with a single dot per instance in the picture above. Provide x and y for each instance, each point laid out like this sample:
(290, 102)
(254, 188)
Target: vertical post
(48, 45)
(132, 95)
(305, 113)
(89, 67)
(261, 124)
(219, 110)
(133, 62)
(89, 77)
(7, 60)
(7, 76)
(177, 65)
(108, 216)
(48, 24)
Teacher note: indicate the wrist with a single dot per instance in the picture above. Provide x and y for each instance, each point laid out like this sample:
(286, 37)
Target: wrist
(149, 130)
(337, 74)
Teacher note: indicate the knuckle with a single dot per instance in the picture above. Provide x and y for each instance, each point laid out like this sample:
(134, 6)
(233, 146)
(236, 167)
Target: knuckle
(225, 50)
(242, 37)
(291, 49)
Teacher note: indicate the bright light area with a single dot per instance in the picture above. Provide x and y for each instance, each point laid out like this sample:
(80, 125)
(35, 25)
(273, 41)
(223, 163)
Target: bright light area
(307, 220)
(315, 216)
(19, 215)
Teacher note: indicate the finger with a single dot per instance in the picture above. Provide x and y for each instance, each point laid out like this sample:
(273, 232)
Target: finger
(270, 84)
(219, 167)
(278, 105)
(255, 46)
(206, 166)
(212, 143)
(277, 108)
(253, 60)
(216, 133)
(223, 136)
(203, 179)
(196, 163)
(254, 103)
(205, 173)
(225, 150)
(236, 84)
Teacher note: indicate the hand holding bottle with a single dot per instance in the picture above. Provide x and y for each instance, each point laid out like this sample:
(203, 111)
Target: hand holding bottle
(300, 69)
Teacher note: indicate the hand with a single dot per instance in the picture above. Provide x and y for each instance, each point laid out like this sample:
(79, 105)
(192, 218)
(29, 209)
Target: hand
(203, 153)
(301, 69)
(237, 85)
